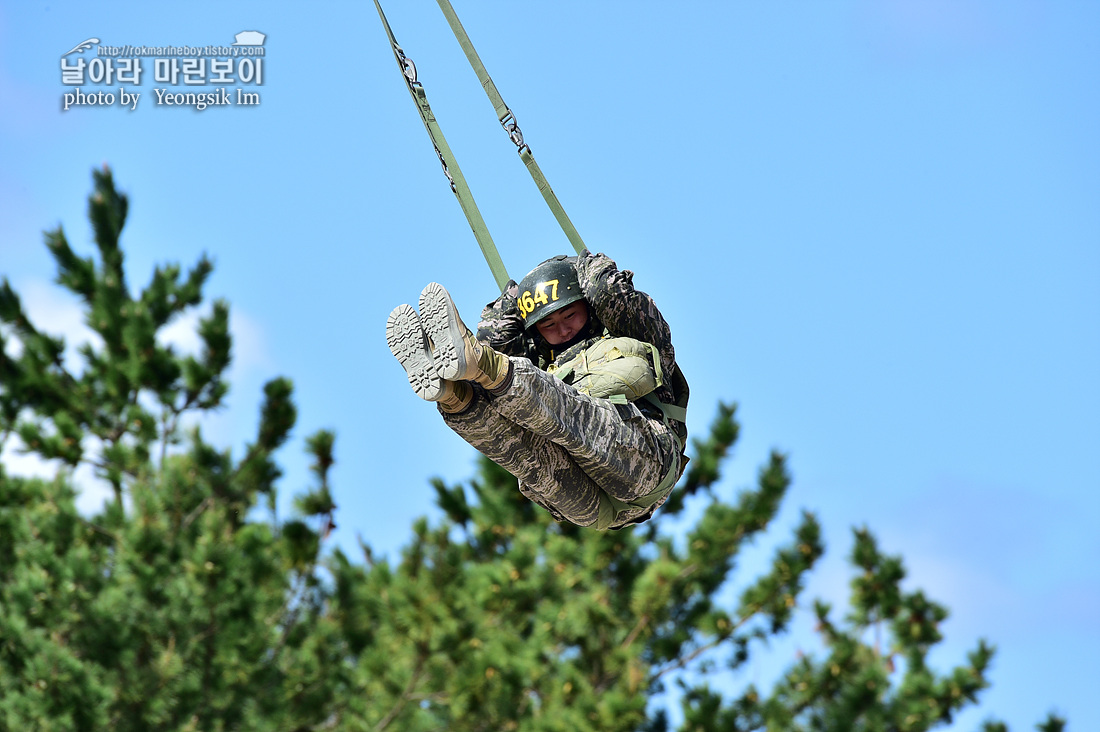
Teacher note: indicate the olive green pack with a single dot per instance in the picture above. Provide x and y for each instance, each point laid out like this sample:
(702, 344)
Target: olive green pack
(618, 369)
(622, 370)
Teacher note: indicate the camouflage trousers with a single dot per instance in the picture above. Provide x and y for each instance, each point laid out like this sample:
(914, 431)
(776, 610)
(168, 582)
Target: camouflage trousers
(567, 449)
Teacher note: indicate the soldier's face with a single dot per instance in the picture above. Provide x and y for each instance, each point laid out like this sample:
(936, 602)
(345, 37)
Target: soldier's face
(560, 327)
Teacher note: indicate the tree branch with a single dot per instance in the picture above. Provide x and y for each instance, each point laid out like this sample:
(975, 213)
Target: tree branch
(406, 695)
(683, 661)
(633, 634)
(206, 503)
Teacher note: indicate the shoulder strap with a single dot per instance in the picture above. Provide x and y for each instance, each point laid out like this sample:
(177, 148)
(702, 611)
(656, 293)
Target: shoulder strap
(511, 126)
(447, 159)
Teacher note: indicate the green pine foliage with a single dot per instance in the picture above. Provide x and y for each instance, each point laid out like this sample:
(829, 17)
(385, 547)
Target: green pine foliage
(170, 609)
(181, 606)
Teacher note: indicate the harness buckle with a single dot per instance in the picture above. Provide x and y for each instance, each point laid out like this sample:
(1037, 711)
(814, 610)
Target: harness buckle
(408, 68)
(511, 126)
(446, 171)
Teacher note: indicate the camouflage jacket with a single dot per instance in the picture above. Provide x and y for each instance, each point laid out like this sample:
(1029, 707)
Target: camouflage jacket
(613, 303)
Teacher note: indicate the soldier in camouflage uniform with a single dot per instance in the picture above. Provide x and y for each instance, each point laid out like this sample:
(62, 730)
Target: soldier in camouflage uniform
(593, 461)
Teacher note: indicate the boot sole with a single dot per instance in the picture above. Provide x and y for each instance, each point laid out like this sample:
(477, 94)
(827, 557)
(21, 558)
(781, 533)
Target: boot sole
(409, 344)
(445, 330)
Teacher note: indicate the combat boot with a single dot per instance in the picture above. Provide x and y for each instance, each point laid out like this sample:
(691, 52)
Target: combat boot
(409, 344)
(455, 397)
(455, 351)
(408, 341)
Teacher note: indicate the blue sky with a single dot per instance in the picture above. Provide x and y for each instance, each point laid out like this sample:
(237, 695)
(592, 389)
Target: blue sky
(874, 225)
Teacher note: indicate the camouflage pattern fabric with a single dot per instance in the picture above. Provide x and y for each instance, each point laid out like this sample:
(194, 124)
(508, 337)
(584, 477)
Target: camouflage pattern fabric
(614, 304)
(567, 448)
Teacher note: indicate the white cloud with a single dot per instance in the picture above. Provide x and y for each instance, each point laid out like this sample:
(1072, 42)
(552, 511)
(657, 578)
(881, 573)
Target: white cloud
(92, 491)
(58, 313)
(24, 465)
(249, 344)
(182, 333)
(55, 313)
(250, 360)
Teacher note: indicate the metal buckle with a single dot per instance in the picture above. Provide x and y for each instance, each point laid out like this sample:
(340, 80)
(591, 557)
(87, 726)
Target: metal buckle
(511, 126)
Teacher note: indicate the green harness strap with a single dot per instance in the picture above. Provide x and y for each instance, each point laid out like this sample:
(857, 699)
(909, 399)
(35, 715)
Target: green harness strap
(447, 159)
(611, 508)
(511, 126)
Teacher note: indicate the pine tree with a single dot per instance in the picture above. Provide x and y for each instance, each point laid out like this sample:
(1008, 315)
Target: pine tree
(170, 609)
(182, 605)
(497, 618)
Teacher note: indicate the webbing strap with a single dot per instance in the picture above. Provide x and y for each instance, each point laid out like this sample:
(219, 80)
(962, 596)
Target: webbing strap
(508, 122)
(611, 508)
(670, 411)
(551, 199)
(447, 159)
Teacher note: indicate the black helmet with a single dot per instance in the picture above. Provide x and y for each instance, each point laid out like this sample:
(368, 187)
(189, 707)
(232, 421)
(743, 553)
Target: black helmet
(550, 286)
